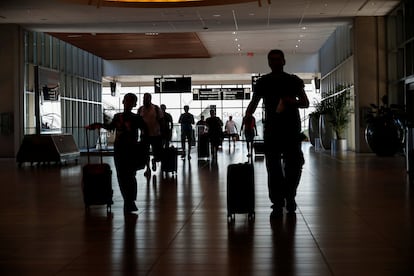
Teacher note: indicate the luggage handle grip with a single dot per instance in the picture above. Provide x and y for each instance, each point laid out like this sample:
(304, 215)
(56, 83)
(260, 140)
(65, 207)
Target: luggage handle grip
(99, 141)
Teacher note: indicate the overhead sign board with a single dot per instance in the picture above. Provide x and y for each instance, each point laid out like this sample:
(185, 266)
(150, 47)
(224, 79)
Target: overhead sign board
(172, 85)
(206, 94)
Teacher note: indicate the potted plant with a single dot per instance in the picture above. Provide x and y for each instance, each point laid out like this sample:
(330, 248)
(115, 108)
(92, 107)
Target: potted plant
(384, 132)
(339, 116)
(325, 127)
(314, 124)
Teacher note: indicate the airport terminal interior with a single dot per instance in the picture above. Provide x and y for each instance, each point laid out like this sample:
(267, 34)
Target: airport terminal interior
(354, 217)
(355, 211)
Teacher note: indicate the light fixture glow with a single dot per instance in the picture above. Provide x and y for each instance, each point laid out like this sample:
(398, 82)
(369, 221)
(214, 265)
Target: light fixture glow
(153, 1)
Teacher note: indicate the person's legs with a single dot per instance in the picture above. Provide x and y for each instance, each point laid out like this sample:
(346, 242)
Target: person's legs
(275, 175)
(275, 181)
(249, 136)
(248, 149)
(214, 147)
(147, 142)
(156, 144)
(127, 182)
(189, 141)
(293, 163)
(183, 139)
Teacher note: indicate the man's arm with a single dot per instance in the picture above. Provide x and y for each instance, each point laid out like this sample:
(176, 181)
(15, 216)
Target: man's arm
(302, 100)
(251, 108)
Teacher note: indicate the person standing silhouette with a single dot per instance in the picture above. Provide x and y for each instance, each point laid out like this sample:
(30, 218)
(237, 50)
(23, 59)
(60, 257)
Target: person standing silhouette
(153, 118)
(167, 127)
(215, 132)
(126, 125)
(250, 130)
(283, 94)
(231, 130)
(186, 121)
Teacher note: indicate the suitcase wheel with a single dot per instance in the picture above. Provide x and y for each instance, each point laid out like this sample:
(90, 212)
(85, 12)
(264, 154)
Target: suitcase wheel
(232, 217)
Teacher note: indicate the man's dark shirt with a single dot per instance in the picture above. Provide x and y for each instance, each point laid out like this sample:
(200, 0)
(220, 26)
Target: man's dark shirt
(126, 125)
(271, 88)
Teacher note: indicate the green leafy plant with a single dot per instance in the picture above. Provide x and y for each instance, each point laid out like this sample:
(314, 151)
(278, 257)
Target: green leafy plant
(339, 111)
(318, 109)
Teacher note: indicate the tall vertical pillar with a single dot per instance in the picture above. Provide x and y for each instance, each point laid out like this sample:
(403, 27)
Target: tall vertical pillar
(11, 89)
(370, 73)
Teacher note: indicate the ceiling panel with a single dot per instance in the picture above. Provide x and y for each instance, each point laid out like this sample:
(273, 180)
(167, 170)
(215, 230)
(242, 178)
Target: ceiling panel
(195, 31)
(138, 46)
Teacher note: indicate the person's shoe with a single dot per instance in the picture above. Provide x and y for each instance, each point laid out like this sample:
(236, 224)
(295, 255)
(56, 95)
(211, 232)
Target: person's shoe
(189, 157)
(182, 156)
(133, 207)
(277, 213)
(154, 165)
(291, 206)
(130, 207)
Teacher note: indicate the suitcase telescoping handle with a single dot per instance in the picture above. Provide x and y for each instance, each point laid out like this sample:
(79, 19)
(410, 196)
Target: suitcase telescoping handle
(99, 141)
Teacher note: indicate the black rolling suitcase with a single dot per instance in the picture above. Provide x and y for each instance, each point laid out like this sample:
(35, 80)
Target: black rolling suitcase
(259, 147)
(240, 190)
(203, 146)
(169, 160)
(97, 182)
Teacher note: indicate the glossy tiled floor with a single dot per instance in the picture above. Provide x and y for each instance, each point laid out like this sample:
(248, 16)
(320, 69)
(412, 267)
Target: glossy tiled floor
(355, 217)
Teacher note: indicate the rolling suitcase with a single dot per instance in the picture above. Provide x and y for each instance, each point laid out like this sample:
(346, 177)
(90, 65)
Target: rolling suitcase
(203, 146)
(169, 160)
(97, 181)
(259, 147)
(240, 190)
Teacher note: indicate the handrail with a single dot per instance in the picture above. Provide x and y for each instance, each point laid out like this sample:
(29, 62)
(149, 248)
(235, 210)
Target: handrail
(337, 93)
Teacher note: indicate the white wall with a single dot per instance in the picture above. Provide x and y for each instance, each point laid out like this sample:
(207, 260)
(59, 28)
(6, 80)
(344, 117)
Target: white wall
(297, 63)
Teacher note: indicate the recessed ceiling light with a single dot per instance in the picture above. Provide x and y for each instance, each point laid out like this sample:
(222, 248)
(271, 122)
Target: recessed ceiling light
(216, 15)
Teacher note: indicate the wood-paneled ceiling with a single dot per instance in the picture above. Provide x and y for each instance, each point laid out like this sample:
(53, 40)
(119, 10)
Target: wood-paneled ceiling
(208, 28)
(115, 46)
